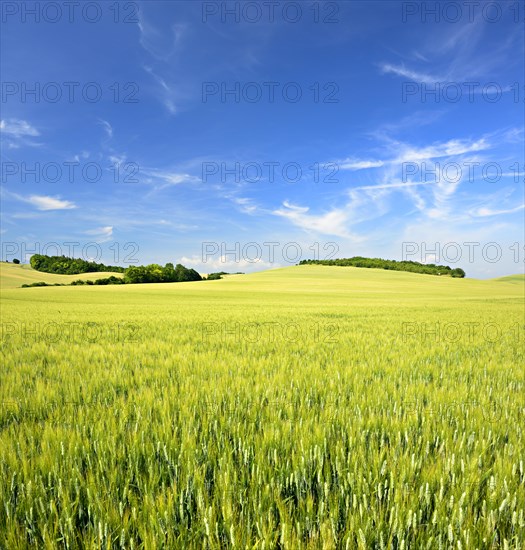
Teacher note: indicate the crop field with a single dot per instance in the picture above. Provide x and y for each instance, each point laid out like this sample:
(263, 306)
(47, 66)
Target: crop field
(14, 276)
(306, 407)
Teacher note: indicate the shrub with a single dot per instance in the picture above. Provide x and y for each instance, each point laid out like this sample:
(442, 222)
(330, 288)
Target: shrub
(112, 280)
(457, 273)
(39, 283)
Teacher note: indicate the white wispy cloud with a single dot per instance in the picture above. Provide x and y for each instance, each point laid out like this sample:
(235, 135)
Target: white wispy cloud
(161, 179)
(356, 164)
(246, 205)
(16, 133)
(416, 76)
(18, 128)
(82, 156)
(458, 79)
(168, 93)
(165, 46)
(451, 148)
(333, 222)
(44, 202)
(395, 185)
(40, 202)
(401, 152)
(102, 234)
(421, 172)
(454, 54)
(484, 211)
(176, 178)
(117, 159)
(107, 127)
(162, 44)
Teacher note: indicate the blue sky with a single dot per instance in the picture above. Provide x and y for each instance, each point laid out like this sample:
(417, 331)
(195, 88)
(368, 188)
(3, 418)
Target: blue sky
(184, 126)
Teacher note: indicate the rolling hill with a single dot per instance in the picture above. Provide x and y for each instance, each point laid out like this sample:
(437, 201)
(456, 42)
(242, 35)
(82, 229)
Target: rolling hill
(15, 275)
(284, 395)
(516, 279)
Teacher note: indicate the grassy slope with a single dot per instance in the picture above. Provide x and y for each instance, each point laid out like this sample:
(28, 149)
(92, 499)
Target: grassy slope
(375, 302)
(436, 410)
(13, 276)
(519, 278)
(305, 287)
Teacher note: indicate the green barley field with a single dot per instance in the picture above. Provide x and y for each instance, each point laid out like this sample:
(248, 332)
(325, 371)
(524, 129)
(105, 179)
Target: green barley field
(306, 407)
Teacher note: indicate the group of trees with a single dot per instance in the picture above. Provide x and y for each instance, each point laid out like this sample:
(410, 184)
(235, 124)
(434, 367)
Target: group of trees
(112, 280)
(155, 273)
(378, 263)
(105, 281)
(219, 274)
(69, 266)
(216, 276)
(41, 283)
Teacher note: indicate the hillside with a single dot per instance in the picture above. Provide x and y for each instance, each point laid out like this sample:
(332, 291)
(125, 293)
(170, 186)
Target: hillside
(288, 390)
(390, 265)
(14, 276)
(298, 279)
(516, 279)
(306, 283)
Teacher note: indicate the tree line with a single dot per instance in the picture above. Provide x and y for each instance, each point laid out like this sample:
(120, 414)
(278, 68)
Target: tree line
(153, 273)
(393, 265)
(63, 265)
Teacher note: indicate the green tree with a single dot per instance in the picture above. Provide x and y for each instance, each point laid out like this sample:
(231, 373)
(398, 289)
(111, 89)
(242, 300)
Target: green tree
(457, 273)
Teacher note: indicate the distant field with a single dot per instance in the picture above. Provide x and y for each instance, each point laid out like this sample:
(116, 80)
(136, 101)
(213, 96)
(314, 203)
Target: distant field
(307, 407)
(512, 279)
(14, 276)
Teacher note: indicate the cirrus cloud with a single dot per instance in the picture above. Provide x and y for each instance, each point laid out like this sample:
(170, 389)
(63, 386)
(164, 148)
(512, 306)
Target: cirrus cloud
(43, 202)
